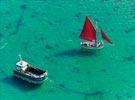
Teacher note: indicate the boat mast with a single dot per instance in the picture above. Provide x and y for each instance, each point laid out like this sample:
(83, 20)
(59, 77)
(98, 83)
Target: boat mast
(20, 57)
(97, 31)
(96, 26)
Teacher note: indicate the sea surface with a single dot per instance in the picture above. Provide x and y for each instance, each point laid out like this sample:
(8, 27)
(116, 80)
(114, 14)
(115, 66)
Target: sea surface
(46, 34)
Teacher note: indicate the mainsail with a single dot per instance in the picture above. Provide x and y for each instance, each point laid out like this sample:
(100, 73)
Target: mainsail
(88, 31)
(105, 37)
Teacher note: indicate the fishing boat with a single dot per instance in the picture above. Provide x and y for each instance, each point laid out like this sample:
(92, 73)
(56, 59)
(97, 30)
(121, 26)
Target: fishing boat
(89, 35)
(26, 72)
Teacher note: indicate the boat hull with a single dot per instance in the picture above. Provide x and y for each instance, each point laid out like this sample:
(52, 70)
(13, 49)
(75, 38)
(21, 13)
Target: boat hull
(88, 47)
(30, 79)
(92, 48)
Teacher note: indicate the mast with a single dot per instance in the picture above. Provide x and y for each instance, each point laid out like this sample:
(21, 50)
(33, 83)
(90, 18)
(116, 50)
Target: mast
(20, 57)
(105, 37)
(88, 31)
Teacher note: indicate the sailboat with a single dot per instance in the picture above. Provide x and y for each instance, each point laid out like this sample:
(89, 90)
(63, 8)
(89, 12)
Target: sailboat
(89, 35)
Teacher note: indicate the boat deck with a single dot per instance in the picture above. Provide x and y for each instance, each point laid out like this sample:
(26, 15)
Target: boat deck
(34, 71)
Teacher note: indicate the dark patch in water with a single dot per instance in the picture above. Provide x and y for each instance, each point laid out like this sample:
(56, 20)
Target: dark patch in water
(79, 81)
(104, 70)
(1, 35)
(8, 26)
(47, 57)
(115, 9)
(133, 17)
(47, 46)
(128, 95)
(117, 1)
(133, 10)
(50, 91)
(51, 77)
(62, 85)
(108, 14)
(34, 14)
(117, 97)
(98, 94)
(23, 6)
(78, 15)
(58, 21)
(86, 98)
(129, 30)
(131, 58)
(18, 24)
(132, 46)
(104, 1)
(49, 22)
(20, 84)
(133, 86)
(73, 33)
(56, 45)
(41, 39)
(7, 12)
(33, 95)
(3, 72)
(75, 70)
(88, 72)
(124, 81)
(19, 21)
(43, 13)
(112, 30)
(75, 53)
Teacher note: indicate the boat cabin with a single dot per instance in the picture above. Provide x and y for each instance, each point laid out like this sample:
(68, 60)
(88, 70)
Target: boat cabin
(22, 65)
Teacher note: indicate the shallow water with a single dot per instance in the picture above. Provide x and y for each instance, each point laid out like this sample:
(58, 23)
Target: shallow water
(46, 34)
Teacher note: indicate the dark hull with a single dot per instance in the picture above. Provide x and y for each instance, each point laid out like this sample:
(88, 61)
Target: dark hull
(28, 78)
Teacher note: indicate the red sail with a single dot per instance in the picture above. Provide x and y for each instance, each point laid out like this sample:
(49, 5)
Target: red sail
(88, 31)
(105, 37)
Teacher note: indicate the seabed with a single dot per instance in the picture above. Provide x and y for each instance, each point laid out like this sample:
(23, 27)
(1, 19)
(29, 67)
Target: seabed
(46, 33)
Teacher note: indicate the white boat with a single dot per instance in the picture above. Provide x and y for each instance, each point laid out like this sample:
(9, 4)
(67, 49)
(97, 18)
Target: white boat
(28, 73)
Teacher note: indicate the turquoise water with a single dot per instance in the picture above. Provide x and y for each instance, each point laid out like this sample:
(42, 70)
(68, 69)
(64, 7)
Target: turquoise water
(46, 34)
